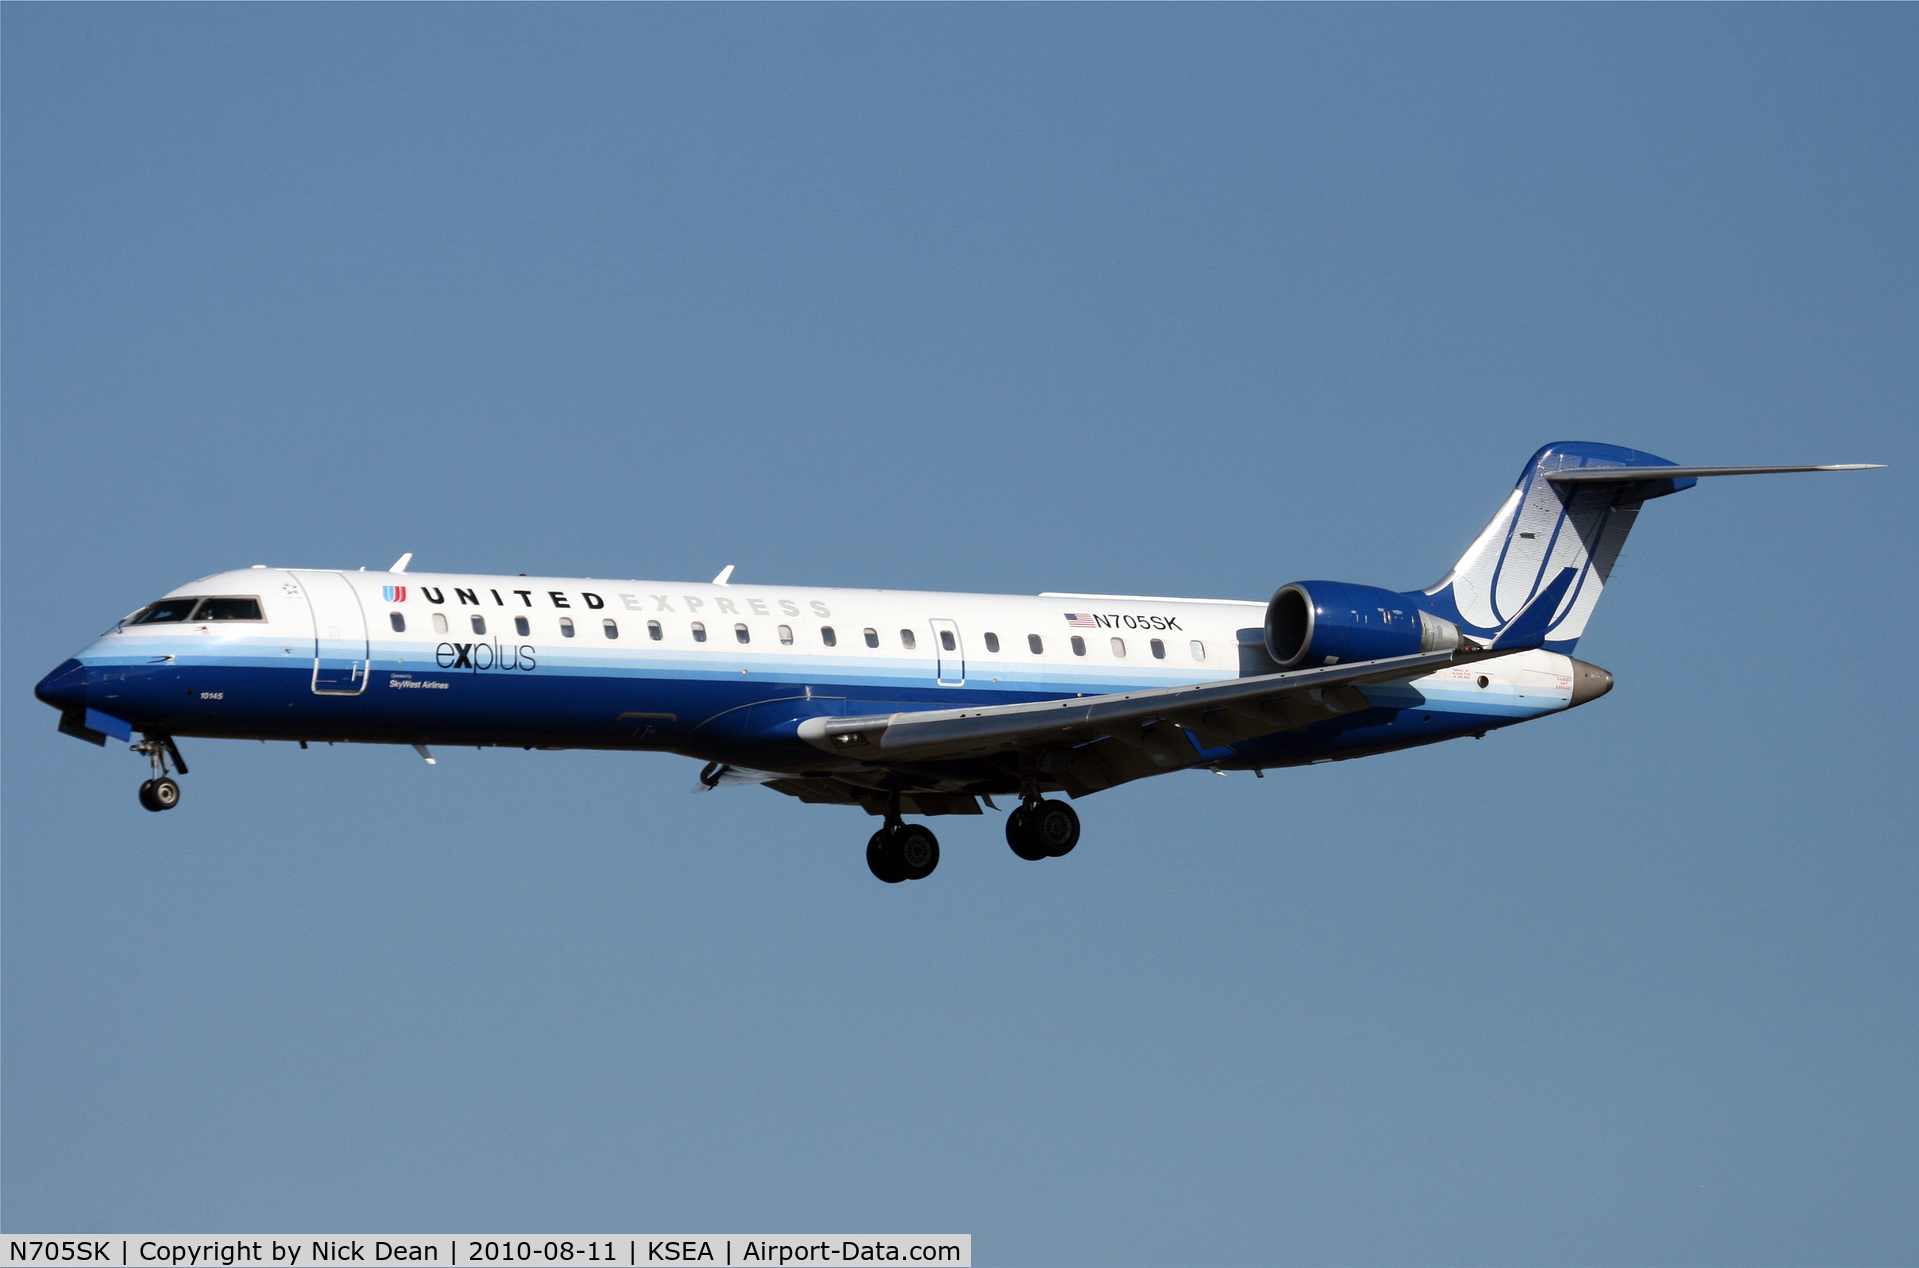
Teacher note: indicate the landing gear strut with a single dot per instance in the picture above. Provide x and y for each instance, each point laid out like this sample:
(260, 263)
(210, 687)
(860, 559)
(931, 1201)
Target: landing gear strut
(160, 792)
(902, 852)
(1042, 829)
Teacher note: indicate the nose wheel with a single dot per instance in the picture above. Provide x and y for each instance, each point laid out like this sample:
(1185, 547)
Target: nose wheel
(1042, 830)
(160, 792)
(903, 852)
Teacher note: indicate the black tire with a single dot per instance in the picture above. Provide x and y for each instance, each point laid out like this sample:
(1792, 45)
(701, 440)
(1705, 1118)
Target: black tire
(918, 851)
(883, 858)
(164, 793)
(1055, 828)
(1019, 835)
(146, 795)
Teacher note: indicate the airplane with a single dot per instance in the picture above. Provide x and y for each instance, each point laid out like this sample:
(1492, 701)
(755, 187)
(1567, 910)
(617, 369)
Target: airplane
(899, 702)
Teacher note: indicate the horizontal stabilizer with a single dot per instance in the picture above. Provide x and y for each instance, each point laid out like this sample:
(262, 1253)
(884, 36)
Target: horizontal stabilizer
(1632, 475)
(1528, 629)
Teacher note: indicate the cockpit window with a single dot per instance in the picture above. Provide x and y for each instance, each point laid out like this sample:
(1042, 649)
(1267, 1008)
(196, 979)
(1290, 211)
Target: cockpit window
(228, 609)
(220, 608)
(164, 611)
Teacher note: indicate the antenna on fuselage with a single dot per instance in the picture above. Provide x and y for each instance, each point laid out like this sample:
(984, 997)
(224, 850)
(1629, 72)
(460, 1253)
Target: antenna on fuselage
(725, 577)
(399, 565)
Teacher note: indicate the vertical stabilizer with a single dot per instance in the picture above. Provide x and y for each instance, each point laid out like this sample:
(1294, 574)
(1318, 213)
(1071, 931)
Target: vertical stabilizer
(1543, 529)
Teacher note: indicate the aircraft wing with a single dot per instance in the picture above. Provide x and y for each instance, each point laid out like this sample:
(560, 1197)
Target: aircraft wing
(1152, 721)
(905, 760)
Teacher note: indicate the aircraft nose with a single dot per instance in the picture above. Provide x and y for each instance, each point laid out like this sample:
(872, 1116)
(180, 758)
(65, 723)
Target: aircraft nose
(1589, 682)
(66, 687)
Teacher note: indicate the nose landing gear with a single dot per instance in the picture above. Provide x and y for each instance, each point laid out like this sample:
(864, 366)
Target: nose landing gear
(160, 792)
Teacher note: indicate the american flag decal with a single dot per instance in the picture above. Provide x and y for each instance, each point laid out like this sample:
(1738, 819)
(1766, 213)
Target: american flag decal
(1081, 620)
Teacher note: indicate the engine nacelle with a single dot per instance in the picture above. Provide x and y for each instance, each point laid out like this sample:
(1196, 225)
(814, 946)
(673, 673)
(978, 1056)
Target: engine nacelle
(1314, 623)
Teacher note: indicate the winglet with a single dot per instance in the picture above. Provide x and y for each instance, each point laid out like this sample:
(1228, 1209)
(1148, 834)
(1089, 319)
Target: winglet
(399, 565)
(726, 576)
(1528, 629)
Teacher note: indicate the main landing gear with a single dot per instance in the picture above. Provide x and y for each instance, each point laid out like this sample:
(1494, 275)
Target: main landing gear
(1037, 830)
(1042, 829)
(903, 852)
(160, 792)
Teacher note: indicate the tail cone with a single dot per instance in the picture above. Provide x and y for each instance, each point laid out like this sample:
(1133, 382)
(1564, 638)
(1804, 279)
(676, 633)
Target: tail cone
(1589, 682)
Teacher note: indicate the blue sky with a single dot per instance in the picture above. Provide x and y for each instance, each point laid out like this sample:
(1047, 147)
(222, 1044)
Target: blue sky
(1192, 300)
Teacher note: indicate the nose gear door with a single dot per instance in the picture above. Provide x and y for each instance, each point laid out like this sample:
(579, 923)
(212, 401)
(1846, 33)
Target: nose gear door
(952, 656)
(341, 653)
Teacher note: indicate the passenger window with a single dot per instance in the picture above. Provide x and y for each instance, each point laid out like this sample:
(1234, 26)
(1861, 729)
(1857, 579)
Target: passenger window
(992, 642)
(742, 633)
(611, 627)
(230, 610)
(1079, 645)
(872, 637)
(786, 635)
(165, 612)
(522, 626)
(479, 623)
(1119, 648)
(906, 639)
(1159, 649)
(439, 622)
(654, 632)
(1199, 650)
(399, 622)
(828, 637)
(566, 627)
(1038, 648)
(699, 631)
(946, 641)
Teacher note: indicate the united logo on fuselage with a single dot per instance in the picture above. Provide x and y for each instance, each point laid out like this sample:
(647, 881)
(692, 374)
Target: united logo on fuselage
(394, 594)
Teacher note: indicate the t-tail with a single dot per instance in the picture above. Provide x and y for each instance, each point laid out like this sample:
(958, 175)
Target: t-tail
(1570, 512)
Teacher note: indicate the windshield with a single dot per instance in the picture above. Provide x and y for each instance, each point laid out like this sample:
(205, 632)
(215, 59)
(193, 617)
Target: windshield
(163, 611)
(219, 608)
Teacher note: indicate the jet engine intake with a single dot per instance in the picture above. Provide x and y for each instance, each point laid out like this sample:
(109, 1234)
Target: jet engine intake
(1314, 623)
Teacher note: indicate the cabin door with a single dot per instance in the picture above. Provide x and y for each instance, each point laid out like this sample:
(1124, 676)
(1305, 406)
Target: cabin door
(340, 650)
(952, 656)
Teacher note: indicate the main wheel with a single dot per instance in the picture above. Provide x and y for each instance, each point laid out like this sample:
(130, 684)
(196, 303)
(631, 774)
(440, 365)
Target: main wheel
(883, 857)
(918, 851)
(1019, 835)
(160, 794)
(1055, 828)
